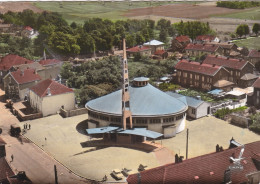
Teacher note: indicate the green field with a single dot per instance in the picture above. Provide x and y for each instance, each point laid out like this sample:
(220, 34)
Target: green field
(250, 14)
(250, 43)
(80, 11)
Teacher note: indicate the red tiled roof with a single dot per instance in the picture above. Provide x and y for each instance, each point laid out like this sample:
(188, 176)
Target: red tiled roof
(202, 47)
(49, 62)
(28, 28)
(10, 60)
(183, 38)
(257, 83)
(205, 38)
(5, 169)
(138, 49)
(55, 88)
(159, 52)
(209, 168)
(254, 53)
(197, 67)
(226, 62)
(25, 76)
(225, 45)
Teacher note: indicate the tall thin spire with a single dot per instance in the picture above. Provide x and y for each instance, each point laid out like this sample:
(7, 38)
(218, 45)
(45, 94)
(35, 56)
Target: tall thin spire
(126, 113)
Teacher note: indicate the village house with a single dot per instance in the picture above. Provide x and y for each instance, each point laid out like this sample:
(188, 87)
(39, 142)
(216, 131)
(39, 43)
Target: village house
(214, 168)
(17, 83)
(154, 45)
(247, 80)
(49, 96)
(227, 47)
(206, 38)
(254, 56)
(200, 49)
(224, 85)
(52, 68)
(10, 60)
(27, 31)
(254, 98)
(142, 50)
(161, 54)
(197, 108)
(237, 67)
(180, 42)
(199, 75)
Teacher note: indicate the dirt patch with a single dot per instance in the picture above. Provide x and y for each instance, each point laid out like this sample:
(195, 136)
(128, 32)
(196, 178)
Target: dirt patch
(182, 11)
(18, 7)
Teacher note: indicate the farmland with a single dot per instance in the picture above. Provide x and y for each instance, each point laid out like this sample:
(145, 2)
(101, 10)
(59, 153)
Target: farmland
(250, 14)
(250, 43)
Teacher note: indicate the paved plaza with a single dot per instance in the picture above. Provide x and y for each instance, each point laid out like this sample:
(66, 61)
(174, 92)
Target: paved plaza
(65, 140)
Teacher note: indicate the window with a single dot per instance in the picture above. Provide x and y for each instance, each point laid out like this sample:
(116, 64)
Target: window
(193, 111)
(118, 120)
(155, 121)
(202, 78)
(179, 117)
(184, 74)
(191, 75)
(141, 121)
(104, 118)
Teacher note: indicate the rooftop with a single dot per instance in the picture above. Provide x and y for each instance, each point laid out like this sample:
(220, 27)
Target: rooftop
(144, 101)
(34, 65)
(25, 76)
(138, 48)
(202, 47)
(225, 61)
(154, 43)
(205, 38)
(197, 67)
(208, 168)
(248, 76)
(41, 89)
(10, 60)
(191, 101)
(141, 79)
(257, 83)
(182, 38)
(222, 83)
(225, 45)
(254, 53)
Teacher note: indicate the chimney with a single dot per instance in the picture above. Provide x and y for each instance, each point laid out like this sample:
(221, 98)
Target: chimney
(48, 91)
(228, 58)
(25, 62)
(22, 73)
(240, 59)
(213, 65)
(217, 148)
(216, 56)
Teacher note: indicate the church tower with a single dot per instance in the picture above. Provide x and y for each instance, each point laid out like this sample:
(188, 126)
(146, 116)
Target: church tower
(126, 113)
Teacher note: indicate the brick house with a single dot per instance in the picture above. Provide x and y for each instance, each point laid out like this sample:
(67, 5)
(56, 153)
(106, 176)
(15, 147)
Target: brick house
(206, 38)
(236, 67)
(213, 168)
(180, 42)
(17, 83)
(10, 60)
(198, 75)
(254, 56)
(255, 98)
(49, 96)
(142, 50)
(194, 49)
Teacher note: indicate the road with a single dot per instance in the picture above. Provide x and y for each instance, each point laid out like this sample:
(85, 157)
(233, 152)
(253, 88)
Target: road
(28, 157)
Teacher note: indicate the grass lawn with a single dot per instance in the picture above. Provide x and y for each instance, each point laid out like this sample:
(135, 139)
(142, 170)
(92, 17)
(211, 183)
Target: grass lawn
(80, 11)
(250, 14)
(250, 43)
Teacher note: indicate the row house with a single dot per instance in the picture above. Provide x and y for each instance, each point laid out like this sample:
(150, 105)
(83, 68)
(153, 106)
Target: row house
(180, 42)
(237, 67)
(142, 50)
(227, 47)
(17, 83)
(254, 56)
(7, 62)
(195, 49)
(206, 38)
(254, 99)
(199, 75)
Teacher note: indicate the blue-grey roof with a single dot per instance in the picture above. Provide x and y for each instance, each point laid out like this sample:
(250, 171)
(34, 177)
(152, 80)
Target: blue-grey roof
(144, 101)
(191, 101)
(141, 79)
(215, 91)
(154, 42)
(101, 130)
(142, 132)
(135, 131)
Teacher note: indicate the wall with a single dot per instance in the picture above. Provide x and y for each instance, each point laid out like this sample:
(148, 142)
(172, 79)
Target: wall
(35, 101)
(202, 110)
(169, 132)
(52, 104)
(74, 112)
(51, 72)
(239, 120)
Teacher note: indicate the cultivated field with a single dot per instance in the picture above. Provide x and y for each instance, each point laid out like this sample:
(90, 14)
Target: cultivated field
(250, 43)
(250, 14)
(17, 7)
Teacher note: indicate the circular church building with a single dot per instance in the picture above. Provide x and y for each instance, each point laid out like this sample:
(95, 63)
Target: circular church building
(150, 108)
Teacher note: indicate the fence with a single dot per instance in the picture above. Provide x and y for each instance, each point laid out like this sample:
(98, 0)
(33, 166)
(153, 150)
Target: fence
(75, 112)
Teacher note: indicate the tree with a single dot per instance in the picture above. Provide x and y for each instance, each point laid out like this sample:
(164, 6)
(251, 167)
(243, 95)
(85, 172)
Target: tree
(163, 35)
(255, 126)
(242, 29)
(256, 28)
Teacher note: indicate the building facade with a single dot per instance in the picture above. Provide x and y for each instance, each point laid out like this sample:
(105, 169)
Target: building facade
(52, 68)
(256, 94)
(194, 49)
(180, 42)
(49, 96)
(154, 45)
(198, 75)
(142, 50)
(254, 56)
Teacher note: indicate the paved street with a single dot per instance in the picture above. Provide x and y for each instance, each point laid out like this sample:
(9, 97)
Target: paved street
(38, 165)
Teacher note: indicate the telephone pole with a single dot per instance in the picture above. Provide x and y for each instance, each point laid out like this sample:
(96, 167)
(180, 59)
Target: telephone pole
(187, 143)
(55, 173)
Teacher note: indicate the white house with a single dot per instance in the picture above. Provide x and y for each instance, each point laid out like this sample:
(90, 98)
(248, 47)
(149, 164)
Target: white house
(49, 96)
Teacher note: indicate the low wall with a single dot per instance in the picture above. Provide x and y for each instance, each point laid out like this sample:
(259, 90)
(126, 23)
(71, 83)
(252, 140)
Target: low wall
(75, 112)
(239, 120)
(24, 117)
